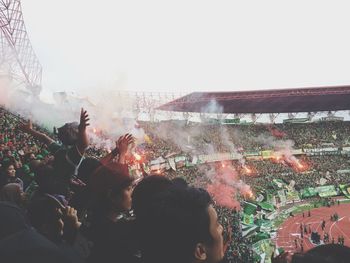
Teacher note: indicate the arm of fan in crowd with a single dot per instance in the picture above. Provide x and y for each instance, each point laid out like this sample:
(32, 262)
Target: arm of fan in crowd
(121, 148)
(28, 128)
(123, 144)
(83, 140)
(109, 157)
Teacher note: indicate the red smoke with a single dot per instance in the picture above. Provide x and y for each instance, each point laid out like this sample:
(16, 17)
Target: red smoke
(224, 186)
(276, 133)
(223, 195)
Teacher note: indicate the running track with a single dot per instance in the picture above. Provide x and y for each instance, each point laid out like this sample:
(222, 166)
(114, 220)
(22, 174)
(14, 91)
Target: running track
(290, 229)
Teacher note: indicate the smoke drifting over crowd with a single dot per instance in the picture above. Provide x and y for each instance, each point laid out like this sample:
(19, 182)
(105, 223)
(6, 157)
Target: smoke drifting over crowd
(223, 183)
(110, 115)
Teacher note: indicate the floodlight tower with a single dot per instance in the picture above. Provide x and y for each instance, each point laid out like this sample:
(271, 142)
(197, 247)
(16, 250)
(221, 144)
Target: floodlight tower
(17, 57)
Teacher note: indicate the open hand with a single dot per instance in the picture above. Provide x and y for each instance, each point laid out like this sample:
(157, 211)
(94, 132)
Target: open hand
(123, 143)
(84, 119)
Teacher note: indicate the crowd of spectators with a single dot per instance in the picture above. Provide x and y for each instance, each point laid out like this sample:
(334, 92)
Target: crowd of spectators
(319, 170)
(208, 138)
(75, 200)
(65, 204)
(250, 138)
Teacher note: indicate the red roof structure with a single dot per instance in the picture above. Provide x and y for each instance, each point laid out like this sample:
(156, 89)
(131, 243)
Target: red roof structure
(266, 101)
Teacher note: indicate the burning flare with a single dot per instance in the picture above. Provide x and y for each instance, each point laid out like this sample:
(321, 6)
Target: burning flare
(137, 157)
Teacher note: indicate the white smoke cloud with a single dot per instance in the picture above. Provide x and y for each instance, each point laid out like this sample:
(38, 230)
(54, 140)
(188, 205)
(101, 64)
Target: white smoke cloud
(111, 112)
(280, 147)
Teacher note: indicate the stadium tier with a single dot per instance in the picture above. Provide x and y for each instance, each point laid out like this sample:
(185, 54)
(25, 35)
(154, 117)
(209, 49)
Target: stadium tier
(266, 101)
(258, 175)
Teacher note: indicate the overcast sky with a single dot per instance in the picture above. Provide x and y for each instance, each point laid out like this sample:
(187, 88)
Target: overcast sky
(189, 45)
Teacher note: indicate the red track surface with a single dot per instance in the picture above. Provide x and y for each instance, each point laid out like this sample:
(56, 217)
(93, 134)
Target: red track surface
(290, 229)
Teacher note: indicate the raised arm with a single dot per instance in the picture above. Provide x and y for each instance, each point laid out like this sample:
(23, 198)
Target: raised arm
(109, 157)
(83, 141)
(28, 128)
(121, 148)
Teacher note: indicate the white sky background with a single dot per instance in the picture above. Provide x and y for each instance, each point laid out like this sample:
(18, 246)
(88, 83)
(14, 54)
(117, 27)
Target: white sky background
(189, 45)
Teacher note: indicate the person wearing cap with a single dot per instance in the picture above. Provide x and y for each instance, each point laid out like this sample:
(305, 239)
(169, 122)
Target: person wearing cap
(19, 242)
(69, 156)
(51, 217)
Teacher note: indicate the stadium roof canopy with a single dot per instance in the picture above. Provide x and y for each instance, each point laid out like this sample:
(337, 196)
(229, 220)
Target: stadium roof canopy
(264, 101)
